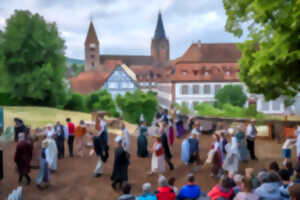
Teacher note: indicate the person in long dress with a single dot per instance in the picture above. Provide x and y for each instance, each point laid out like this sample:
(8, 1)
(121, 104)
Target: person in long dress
(171, 132)
(125, 138)
(158, 157)
(242, 147)
(121, 163)
(185, 151)
(49, 131)
(51, 152)
(142, 143)
(23, 157)
(60, 139)
(80, 132)
(194, 151)
(165, 143)
(179, 125)
(231, 162)
(43, 178)
(216, 159)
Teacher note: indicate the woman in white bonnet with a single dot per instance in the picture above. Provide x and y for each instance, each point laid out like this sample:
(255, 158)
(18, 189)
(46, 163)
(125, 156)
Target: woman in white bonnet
(231, 162)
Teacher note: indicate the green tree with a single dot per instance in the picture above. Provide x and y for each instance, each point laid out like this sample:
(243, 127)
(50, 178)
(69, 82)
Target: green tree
(271, 55)
(230, 94)
(76, 102)
(34, 59)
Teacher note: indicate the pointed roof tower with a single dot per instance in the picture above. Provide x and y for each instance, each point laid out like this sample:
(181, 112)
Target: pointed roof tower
(92, 35)
(160, 31)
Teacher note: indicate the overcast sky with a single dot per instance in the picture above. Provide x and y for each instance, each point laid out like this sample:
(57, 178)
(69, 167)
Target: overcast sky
(127, 26)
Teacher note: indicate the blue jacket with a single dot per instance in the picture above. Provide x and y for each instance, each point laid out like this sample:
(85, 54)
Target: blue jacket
(189, 192)
(269, 191)
(150, 196)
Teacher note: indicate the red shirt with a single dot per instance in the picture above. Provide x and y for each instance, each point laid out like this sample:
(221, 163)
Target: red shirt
(71, 128)
(165, 193)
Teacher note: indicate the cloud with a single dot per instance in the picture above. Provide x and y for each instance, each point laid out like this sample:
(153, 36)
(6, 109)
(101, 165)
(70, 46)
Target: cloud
(127, 26)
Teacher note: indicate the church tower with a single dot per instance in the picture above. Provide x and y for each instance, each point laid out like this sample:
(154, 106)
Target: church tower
(160, 50)
(92, 57)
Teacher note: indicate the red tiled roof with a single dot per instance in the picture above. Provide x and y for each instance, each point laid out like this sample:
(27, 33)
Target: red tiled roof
(211, 53)
(87, 82)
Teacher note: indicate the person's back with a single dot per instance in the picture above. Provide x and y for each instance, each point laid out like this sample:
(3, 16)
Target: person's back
(165, 193)
(150, 196)
(269, 190)
(126, 193)
(189, 191)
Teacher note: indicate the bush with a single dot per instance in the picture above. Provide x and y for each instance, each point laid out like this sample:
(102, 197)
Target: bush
(6, 100)
(183, 108)
(133, 105)
(230, 94)
(101, 100)
(76, 102)
(207, 109)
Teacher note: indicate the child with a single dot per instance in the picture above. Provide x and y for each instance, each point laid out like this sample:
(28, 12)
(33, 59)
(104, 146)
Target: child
(287, 149)
(171, 183)
(290, 168)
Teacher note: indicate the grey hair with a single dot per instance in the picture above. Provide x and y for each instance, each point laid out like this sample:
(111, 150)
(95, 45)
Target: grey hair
(262, 176)
(162, 181)
(21, 136)
(238, 178)
(146, 187)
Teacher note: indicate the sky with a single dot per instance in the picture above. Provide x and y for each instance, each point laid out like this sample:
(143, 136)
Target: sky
(127, 26)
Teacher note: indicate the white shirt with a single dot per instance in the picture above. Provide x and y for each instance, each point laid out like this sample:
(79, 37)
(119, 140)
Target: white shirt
(249, 131)
(288, 144)
(126, 140)
(50, 133)
(196, 132)
(103, 126)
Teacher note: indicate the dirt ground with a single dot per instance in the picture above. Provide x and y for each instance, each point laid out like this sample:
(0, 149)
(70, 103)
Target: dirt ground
(74, 177)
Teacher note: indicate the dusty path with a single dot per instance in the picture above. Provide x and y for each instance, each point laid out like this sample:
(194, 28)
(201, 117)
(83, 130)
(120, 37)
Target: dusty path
(74, 178)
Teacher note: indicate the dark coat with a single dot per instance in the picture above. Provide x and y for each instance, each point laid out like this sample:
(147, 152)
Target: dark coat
(23, 157)
(20, 129)
(60, 136)
(120, 169)
(164, 140)
(142, 144)
(101, 147)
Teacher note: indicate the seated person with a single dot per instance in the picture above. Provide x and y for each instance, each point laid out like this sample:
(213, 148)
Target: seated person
(190, 190)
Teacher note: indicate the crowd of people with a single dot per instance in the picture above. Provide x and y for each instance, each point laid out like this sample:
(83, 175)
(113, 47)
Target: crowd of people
(230, 147)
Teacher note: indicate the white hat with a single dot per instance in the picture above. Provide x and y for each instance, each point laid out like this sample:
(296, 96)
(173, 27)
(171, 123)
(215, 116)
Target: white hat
(118, 139)
(231, 131)
(49, 125)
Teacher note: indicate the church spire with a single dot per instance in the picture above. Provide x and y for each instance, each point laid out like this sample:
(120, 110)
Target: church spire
(92, 35)
(159, 31)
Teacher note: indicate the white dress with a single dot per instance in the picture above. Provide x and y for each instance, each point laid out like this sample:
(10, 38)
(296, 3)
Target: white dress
(231, 162)
(158, 162)
(51, 154)
(126, 140)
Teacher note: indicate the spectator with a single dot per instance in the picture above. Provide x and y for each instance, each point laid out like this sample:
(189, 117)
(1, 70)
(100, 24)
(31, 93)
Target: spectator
(294, 191)
(290, 168)
(147, 194)
(285, 180)
(164, 192)
(261, 176)
(126, 193)
(274, 166)
(296, 178)
(171, 182)
(221, 190)
(246, 191)
(189, 191)
(238, 180)
(249, 173)
(269, 188)
(71, 131)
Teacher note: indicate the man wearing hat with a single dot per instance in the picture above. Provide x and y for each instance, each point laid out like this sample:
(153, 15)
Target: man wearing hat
(121, 162)
(251, 133)
(19, 128)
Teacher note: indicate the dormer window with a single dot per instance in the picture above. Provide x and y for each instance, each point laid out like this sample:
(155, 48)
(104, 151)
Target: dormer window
(184, 73)
(228, 73)
(206, 73)
(195, 72)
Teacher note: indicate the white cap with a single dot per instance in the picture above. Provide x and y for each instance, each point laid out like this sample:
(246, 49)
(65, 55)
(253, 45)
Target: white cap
(49, 125)
(118, 139)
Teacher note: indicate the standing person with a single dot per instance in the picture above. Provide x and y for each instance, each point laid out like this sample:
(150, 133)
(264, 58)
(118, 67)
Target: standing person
(185, 151)
(36, 153)
(287, 149)
(194, 151)
(60, 139)
(171, 132)
(50, 131)
(19, 128)
(80, 131)
(243, 151)
(158, 157)
(51, 152)
(216, 159)
(231, 162)
(121, 163)
(142, 143)
(43, 177)
(251, 133)
(101, 148)
(71, 131)
(223, 143)
(125, 138)
(179, 124)
(23, 157)
(165, 143)
(101, 126)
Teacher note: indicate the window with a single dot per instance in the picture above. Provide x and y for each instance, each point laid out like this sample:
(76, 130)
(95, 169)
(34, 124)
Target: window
(227, 73)
(276, 105)
(217, 88)
(196, 89)
(206, 89)
(113, 85)
(184, 73)
(205, 73)
(184, 89)
(264, 105)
